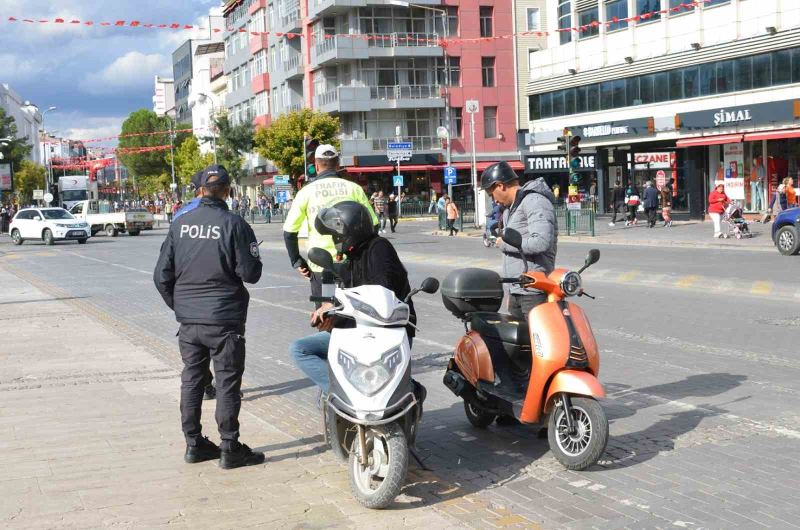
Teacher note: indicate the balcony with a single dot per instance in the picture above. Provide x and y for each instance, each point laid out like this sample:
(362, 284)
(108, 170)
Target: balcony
(289, 22)
(332, 49)
(319, 8)
(407, 97)
(343, 99)
(292, 67)
(258, 43)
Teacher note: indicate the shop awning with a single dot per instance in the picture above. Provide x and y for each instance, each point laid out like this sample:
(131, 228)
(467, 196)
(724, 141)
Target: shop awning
(481, 165)
(772, 135)
(717, 139)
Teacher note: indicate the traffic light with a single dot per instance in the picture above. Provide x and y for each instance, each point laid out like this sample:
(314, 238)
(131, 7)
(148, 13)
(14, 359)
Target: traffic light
(563, 142)
(574, 159)
(309, 148)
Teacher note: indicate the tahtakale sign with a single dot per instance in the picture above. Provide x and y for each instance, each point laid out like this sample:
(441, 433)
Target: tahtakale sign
(557, 163)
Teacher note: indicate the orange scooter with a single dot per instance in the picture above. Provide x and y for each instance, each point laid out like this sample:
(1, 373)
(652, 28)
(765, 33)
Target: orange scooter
(545, 374)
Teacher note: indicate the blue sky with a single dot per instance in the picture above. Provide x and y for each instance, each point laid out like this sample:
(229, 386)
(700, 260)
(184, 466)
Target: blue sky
(95, 76)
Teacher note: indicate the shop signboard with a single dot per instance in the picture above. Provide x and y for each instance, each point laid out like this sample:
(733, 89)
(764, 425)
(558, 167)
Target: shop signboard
(661, 178)
(6, 182)
(662, 160)
(733, 157)
(600, 132)
(280, 180)
(557, 163)
(746, 116)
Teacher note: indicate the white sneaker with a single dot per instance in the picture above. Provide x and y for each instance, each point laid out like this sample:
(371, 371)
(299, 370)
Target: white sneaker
(610, 224)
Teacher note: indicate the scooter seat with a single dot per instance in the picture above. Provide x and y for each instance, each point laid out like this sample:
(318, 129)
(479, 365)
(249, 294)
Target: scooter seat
(502, 327)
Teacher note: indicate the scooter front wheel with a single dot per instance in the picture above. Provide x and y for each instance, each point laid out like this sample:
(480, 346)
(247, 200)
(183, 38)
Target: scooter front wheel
(583, 447)
(376, 484)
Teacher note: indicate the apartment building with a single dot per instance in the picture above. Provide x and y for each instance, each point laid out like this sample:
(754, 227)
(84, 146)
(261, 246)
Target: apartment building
(695, 95)
(530, 16)
(27, 118)
(380, 67)
(163, 96)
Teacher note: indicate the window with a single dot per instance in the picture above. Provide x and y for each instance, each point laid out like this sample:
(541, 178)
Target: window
(489, 122)
(648, 8)
(708, 79)
(762, 70)
(743, 72)
(585, 19)
(632, 88)
(617, 9)
(606, 95)
(455, 72)
(593, 98)
(691, 82)
(661, 86)
(712, 3)
(647, 89)
(533, 108)
(676, 84)
(260, 63)
(565, 21)
(457, 122)
(796, 65)
(486, 14)
(569, 101)
(680, 6)
(487, 69)
(546, 105)
(781, 67)
(725, 79)
(452, 21)
(534, 19)
(558, 103)
(580, 99)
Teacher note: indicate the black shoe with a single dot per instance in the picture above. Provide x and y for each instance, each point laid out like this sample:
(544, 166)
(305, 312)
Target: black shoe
(204, 450)
(240, 457)
(507, 421)
(210, 393)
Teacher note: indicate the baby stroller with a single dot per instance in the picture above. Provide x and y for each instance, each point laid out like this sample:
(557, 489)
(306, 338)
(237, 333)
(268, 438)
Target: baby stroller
(737, 225)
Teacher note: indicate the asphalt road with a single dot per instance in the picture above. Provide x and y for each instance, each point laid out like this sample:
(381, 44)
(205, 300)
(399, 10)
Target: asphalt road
(699, 358)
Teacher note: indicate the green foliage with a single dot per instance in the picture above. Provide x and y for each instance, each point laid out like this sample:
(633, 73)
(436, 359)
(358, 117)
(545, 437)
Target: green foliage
(189, 160)
(151, 185)
(282, 142)
(27, 178)
(17, 149)
(233, 141)
(148, 163)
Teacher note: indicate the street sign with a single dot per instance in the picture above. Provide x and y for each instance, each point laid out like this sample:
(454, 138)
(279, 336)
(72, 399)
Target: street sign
(450, 175)
(38, 195)
(397, 180)
(48, 198)
(281, 197)
(280, 179)
(573, 202)
(472, 106)
(399, 151)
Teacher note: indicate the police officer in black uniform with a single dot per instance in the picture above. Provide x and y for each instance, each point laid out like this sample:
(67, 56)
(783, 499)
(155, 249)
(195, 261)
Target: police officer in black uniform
(207, 255)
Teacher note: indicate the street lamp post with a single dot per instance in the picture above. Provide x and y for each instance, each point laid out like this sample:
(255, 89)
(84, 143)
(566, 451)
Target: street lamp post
(174, 185)
(46, 157)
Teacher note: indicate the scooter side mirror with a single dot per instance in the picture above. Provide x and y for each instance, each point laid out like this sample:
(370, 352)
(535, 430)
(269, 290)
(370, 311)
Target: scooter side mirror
(429, 285)
(321, 258)
(513, 238)
(591, 258)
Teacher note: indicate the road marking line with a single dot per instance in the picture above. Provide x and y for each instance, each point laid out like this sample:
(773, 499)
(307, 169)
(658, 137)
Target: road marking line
(275, 287)
(628, 276)
(687, 281)
(109, 263)
(761, 288)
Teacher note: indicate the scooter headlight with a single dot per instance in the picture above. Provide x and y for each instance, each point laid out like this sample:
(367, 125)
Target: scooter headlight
(572, 284)
(370, 379)
(398, 316)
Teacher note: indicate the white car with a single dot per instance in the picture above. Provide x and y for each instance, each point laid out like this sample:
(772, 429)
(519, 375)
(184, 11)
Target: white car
(49, 225)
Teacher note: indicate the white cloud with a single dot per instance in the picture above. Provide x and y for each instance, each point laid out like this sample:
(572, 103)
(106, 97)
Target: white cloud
(131, 72)
(16, 68)
(77, 125)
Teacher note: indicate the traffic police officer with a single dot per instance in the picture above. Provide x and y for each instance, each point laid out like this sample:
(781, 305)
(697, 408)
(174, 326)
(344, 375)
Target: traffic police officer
(326, 190)
(207, 255)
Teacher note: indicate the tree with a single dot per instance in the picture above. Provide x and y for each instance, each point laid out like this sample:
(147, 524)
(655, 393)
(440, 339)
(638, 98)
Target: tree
(189, 160)
(27, 178)
(151, 185)
(17, 149)
(233, 141)
(282, 142)
(151, 162)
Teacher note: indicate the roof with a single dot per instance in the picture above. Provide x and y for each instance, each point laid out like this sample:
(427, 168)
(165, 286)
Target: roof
(207, 49)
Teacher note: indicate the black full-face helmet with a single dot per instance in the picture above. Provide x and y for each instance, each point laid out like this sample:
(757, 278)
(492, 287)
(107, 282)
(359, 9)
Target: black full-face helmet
(348, 222)
(499, 172)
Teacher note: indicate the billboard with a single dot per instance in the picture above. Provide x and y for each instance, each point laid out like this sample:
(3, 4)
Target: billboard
(6, 180)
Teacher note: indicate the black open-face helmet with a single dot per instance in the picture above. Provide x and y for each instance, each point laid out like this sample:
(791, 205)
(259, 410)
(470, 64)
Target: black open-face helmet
(499, 172)
(348, 222)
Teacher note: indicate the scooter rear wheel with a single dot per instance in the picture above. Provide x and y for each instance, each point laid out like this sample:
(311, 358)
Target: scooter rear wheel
(583, 448)
(477, 416)
(376, 485)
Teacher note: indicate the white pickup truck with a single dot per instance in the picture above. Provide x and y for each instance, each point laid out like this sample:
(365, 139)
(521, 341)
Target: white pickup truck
(100, 217)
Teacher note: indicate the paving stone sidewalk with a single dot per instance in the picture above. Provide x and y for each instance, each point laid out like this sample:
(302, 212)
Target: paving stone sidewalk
(90, 438)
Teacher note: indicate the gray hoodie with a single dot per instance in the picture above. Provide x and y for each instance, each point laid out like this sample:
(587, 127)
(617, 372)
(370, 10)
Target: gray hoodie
(533, 216)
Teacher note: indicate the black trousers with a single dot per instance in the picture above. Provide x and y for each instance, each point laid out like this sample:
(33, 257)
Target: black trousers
(632, 212)
(618, 206)
(520, 305)
(451, 226)
(225, 345)
(651, 216)
(393, 222)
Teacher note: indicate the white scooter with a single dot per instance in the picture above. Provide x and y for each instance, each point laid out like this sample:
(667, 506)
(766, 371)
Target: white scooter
(373, 408)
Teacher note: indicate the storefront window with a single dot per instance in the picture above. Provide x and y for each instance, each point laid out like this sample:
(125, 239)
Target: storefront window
(708, 79)
(676, 84)
(632, 89)
(646, 90)
(725, 79)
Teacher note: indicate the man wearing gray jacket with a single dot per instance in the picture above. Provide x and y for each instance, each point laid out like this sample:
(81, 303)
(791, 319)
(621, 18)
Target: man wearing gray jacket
(529, 211)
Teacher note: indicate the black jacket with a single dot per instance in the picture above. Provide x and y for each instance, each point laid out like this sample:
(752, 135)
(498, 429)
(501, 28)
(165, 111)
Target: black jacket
(376, 263)
(207, 255)
(617, 195)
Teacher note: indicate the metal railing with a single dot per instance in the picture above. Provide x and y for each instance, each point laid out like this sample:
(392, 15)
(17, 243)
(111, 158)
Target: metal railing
(466, 216)
(392, 92)
(420, 143)
(294, 107)
(326, 98)
(391, 40)
(291, 63)
(576, 222)
(325, 43)
(291, 17)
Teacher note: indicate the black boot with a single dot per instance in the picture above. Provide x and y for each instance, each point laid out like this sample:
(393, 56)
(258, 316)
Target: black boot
(204, 450)
(239, 457)
(210, 392)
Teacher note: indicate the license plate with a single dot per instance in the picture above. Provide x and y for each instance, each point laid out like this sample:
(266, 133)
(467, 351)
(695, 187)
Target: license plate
(138, 225)
(76, 233)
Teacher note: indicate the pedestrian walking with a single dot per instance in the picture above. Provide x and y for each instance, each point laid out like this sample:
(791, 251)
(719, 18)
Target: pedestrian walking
(666, 203)
(205, 259)
(717, 200)
(777, 204)
(432, 206)
(617, 201)
(632, 202)
(593, 195)
(650, 203)
(392, 211)
(791, 193)
(452, 215)
(380, 209)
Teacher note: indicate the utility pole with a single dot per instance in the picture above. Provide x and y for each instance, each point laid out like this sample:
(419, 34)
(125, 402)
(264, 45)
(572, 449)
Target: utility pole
(174, 185)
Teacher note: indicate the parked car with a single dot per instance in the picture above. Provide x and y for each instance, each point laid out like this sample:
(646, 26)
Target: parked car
(786, 231)
(49, 225)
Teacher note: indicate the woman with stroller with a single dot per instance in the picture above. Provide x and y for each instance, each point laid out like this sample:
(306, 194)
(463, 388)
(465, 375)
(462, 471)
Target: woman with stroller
(632, 201)
(717, 201)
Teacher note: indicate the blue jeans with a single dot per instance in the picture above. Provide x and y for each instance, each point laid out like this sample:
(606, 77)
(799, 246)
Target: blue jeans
(310, 354)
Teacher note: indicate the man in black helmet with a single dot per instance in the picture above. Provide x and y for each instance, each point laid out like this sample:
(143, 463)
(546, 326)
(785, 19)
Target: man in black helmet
(529, 211)
(371, 260)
